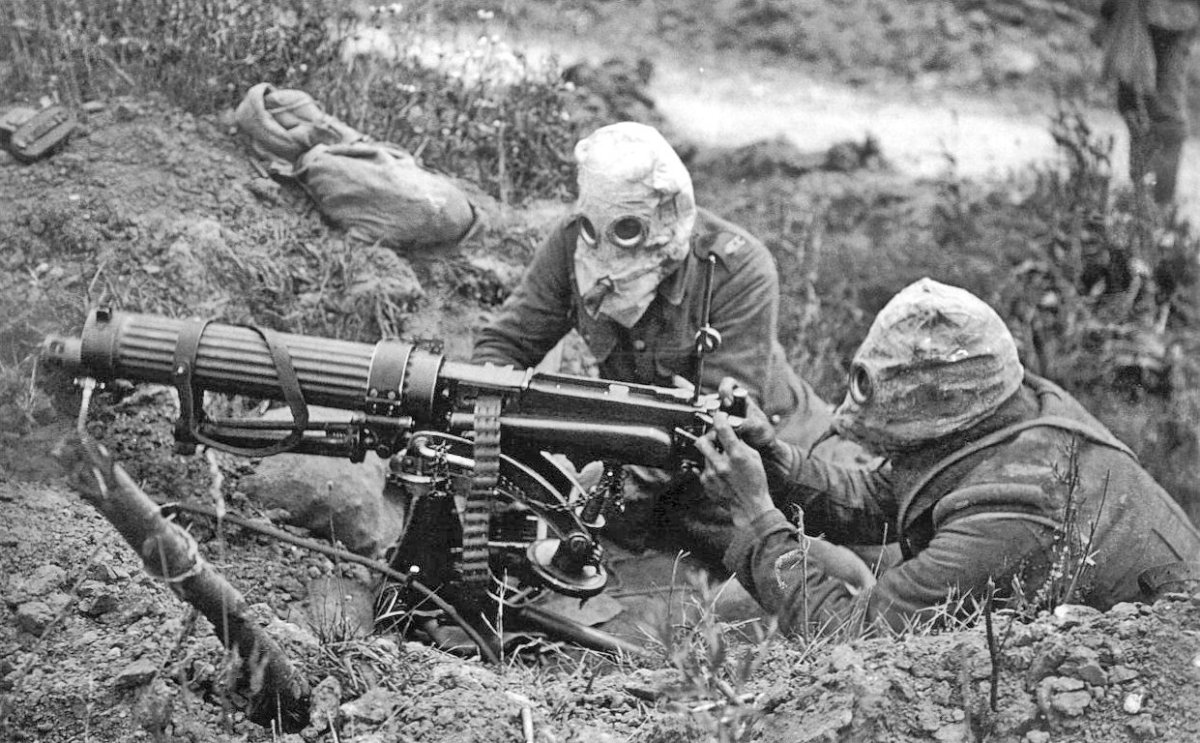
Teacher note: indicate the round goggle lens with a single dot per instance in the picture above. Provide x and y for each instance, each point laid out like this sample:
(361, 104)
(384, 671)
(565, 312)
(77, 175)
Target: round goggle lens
(861, 386)
(587, 230)
(628, 232)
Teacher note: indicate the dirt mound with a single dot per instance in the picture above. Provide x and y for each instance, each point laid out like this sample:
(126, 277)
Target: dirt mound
(1130, 674)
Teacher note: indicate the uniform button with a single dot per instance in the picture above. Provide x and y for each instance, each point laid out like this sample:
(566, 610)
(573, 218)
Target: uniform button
(639, 345)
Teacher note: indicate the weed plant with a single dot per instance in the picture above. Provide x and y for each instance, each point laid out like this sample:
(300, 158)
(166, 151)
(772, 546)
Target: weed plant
(1104, 303)
(510, 134)
(204, 54)
(456, 112)
(716, 661)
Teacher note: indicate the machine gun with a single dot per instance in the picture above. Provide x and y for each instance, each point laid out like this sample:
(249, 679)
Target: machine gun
(481, 432)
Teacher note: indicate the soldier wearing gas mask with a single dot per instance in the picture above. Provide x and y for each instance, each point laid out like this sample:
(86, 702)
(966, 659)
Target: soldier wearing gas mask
(994, 479)
(626, 268)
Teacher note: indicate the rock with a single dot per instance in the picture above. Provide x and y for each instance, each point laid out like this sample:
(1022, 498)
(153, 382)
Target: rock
(1083, 663)
(1072, 703)
(374, 707)
(134, 610)
(332, 498)
(1037, 736)
(103, 602)
(1011, 61)
(93, 106)
(1063, 683)
(137, 673)
(44, 580)
(1133, 702)
(1018, 713)
(953, 733)
(1062, 695)
(928, 718)
(323, 707)
(1121, 674)
(1124, 609)
(104, 572)
(844, 657)
(34, 617)
(1073, 615)
(1142, 728)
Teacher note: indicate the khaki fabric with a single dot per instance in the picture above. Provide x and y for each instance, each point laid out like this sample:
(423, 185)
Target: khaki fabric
(378, 193)
(375, 191)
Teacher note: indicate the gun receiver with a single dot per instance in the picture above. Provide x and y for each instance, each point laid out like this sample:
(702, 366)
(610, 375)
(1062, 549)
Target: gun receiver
(404, 399)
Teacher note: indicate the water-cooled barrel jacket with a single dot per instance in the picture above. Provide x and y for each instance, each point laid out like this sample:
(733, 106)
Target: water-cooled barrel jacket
(995, 503)
(745, 309)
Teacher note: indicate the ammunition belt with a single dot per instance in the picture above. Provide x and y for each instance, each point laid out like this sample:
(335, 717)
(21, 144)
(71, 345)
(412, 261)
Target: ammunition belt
(478, 512)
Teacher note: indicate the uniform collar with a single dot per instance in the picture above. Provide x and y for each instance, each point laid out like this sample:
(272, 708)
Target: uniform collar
(674, 287)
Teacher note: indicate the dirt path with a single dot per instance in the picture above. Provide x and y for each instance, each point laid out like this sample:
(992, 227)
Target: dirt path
(733, 102)
(918, 131)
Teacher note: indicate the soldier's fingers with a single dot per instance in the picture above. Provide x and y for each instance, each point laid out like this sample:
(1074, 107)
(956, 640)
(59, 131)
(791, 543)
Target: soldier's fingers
(726, 388)
(726, 436)
(681, 383)
(707, 448)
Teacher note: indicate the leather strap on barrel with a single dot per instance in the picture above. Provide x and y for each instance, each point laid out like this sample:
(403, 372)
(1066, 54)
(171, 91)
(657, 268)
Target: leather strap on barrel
(191, 412)
(478, 514)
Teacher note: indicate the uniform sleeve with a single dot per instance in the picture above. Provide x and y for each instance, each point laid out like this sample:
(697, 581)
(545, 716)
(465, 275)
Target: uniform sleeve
(536, 316)
(847, 505)
(808, 582)
(745, 310)
(964, 553)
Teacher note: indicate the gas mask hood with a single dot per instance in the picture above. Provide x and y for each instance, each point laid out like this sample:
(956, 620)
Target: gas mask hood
(635, 212)
(936, 361)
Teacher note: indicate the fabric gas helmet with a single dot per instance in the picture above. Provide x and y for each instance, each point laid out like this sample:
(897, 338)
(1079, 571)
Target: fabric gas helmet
(936, 361)
(635, 214)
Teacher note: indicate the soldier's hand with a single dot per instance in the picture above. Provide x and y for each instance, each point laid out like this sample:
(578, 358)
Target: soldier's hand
(756, 429)
(680, 383)
(733, 472)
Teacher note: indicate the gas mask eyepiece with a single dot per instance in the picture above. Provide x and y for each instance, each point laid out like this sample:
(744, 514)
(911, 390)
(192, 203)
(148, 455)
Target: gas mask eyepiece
(862, 388)
(628, 232)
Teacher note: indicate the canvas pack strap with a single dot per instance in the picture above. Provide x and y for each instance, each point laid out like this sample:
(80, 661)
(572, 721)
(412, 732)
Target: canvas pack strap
(910, 504)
